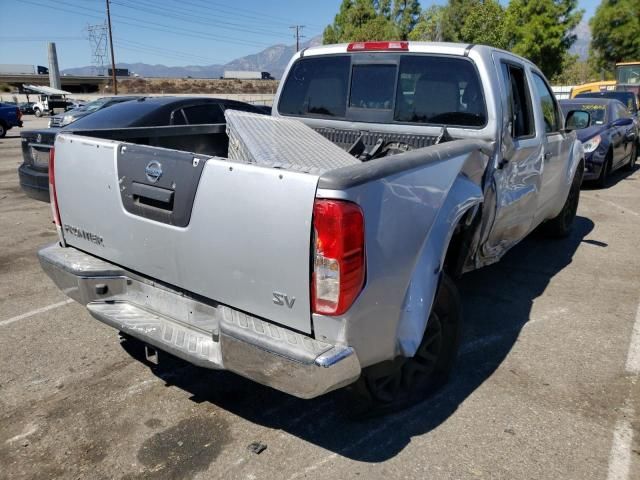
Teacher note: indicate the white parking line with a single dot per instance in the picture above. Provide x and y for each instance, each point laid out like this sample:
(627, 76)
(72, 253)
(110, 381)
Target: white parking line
(613, 204)
(620, 455)
(34, 312)
(633, 356)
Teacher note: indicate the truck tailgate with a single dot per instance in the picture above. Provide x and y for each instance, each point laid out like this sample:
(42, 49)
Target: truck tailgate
(234, 233)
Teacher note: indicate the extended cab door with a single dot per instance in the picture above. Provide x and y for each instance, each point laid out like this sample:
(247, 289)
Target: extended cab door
(517, 171)
(555, 145)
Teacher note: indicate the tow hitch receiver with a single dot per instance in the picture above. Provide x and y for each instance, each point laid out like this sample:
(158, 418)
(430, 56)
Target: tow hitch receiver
(151, 354)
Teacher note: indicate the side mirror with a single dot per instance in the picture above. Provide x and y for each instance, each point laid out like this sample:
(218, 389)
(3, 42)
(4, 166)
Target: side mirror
(623, 122)
(577, 119)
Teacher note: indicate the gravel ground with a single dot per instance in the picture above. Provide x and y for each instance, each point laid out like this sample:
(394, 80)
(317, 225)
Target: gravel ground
(546, 385)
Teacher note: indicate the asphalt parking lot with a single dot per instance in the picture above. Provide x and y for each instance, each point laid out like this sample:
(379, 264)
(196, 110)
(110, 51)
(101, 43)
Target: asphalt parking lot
(546, 385)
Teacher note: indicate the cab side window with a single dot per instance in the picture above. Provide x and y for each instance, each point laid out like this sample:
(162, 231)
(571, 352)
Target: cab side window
(548, 105)
(622, 111)
(177, 117)
(518, 100)
(204, 114)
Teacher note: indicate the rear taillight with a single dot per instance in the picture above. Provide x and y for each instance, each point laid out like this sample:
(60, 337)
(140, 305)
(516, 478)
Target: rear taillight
(339, 262)
(53, 196)
(377, 46)
(18, 114)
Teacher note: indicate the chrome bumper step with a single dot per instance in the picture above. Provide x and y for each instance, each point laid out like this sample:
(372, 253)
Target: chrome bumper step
(195, 346)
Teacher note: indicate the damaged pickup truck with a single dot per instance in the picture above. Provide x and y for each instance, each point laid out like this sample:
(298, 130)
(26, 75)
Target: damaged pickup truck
(316, 248)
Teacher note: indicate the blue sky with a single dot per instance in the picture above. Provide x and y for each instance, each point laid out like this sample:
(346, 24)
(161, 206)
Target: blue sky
(171, 32)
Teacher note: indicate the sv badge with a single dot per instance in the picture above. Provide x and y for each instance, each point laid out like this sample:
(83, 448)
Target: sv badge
(282, 299)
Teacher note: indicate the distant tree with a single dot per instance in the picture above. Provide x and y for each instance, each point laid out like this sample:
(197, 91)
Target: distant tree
(574, 71)
(405, 15)
(359, 20)
(485, 25)
(429, 25)
(541, 30)
(615, 30)
(468, 21)
(455, 16)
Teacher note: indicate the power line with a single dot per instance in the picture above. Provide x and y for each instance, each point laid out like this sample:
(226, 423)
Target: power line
(232, 13)
(162, 50)
(145, 24)
(195, 18)
(39, 39)
(148, 50)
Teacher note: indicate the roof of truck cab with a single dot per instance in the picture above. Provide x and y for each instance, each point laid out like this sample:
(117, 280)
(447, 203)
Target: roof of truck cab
(443, 48)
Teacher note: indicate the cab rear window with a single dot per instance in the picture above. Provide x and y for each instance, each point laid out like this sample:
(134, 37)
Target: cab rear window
(400, 88)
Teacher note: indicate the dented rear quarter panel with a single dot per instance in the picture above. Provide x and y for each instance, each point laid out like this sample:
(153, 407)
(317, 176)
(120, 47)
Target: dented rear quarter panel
(410, 216)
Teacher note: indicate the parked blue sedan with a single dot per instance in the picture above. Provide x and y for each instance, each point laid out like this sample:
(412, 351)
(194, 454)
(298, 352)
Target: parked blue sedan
(609, 135)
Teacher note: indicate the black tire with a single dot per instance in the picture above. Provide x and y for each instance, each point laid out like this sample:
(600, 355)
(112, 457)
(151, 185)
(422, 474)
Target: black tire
(632, 159)
(37, 112)
(3, 130)
(603, 179)
(560, 226)
(399, 383)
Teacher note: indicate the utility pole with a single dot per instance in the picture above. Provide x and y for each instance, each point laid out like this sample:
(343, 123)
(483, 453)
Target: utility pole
(113, 60)
(298, 35)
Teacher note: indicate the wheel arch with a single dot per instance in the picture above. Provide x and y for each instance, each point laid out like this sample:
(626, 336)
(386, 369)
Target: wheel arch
(444, 243)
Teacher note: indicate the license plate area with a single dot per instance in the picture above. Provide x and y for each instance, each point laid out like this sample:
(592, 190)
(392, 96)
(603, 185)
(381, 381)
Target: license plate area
(40, 155)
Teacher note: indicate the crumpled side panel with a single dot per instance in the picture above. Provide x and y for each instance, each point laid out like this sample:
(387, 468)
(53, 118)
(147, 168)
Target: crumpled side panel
(281, 143)
(463, 196)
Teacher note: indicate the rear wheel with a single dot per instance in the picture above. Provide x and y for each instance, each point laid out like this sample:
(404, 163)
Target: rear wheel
(37, 112)
(396, 384)
(3, 130)
(560, 226)
(632, 159)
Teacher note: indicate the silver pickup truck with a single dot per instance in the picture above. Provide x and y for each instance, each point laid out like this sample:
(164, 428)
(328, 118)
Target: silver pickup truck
(308, 281)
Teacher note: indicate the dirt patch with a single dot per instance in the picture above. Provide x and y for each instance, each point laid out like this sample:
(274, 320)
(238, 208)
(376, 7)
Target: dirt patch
(184, 449)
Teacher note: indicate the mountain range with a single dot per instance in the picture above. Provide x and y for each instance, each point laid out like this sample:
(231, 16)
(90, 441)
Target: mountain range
(273, 59)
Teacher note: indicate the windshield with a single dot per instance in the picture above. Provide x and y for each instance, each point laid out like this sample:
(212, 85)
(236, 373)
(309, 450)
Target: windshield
(598, 112)
(628, 74)
(95, 105)
(122, 115)
(627, 98)
(386, 88)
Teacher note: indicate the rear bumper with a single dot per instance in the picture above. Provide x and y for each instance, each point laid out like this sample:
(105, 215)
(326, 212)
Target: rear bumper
(208, 335)
(35, 183)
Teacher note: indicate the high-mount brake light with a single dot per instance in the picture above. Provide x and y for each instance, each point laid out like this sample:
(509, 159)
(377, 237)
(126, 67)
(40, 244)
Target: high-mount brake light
(338, 256)
(377, 46)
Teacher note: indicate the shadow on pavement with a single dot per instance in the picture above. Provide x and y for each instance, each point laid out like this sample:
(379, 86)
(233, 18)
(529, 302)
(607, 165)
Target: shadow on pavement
(497, 303)
(621, 174)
